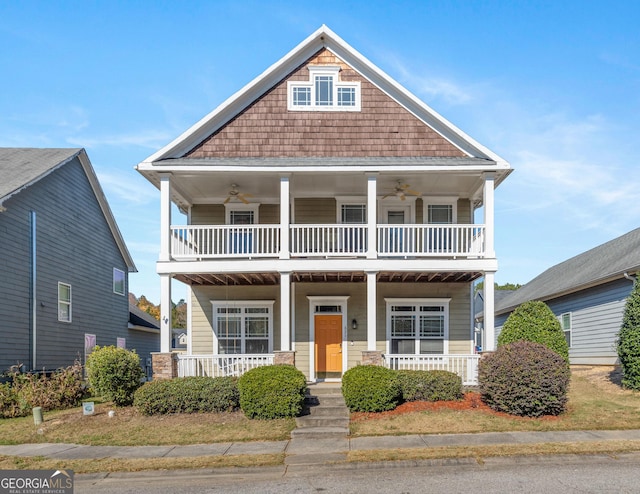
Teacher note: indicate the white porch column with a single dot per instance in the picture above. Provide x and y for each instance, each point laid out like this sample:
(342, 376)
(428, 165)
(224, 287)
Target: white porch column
(372, 216)
(488, 345)
(489, 220)
(165, 313)
(371, 310)
(165, 216)
(284, 217)
(285, 312)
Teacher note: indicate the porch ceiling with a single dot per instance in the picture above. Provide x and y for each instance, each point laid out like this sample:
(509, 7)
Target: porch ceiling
(258, 279)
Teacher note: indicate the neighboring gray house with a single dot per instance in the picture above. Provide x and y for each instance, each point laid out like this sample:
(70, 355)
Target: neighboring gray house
(588, 294)
(144, 336)
(64, 265)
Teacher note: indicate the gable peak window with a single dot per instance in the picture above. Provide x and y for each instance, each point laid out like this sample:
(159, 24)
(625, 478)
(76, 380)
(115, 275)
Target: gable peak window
(324, 91)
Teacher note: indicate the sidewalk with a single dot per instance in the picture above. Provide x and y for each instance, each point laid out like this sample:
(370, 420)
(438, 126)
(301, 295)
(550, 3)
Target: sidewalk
(312, 451)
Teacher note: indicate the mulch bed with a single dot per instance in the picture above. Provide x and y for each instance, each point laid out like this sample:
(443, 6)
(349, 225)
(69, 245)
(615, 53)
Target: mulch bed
(470, 401)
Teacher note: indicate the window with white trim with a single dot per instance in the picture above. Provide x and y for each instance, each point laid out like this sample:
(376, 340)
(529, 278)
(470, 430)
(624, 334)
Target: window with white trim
(324, 91)
(418, 326)
(64, 302)
(243, 327)
(565, 322)
(352, 211)
(118, 281)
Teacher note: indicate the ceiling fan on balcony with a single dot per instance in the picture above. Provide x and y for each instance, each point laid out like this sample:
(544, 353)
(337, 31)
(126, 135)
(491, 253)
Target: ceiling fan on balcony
(401, 191)
(234, 193)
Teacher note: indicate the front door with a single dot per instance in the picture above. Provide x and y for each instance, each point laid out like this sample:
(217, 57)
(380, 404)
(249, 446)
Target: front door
(328, 337)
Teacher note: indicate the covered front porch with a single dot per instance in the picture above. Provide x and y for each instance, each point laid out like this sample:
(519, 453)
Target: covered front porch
(466, 366)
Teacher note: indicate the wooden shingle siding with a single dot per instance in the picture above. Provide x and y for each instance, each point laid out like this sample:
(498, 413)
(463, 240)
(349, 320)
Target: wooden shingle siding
(382, 128)
(74, 246)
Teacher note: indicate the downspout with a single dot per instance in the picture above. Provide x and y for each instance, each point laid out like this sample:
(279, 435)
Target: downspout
(629, 277)
(32, 215)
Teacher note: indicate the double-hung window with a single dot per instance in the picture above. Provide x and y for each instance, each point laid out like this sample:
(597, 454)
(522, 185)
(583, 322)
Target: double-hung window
(118, 281)
(243, 327)
(565, 322)
(324, 91)
(417, 326)
(351, 211)
(64, 302)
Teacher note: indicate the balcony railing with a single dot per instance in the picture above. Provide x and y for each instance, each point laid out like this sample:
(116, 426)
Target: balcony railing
(246, 241)
(220, 365)
(335, 240)
(466, 366)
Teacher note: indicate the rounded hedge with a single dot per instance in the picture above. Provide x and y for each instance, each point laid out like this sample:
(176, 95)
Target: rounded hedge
(370, 388)
(433, 385)
(188, 395)
(534, 321)
(114, 373)
(272, 391)
(524, 378)
(628, 344)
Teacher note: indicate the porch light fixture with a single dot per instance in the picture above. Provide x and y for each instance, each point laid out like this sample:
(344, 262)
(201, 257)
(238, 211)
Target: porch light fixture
(354, 324)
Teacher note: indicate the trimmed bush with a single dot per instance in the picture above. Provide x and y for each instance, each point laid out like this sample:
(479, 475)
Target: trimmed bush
(370, 388)
(188, 395)
(272, 391)
(435, 385)
(58, 390)
(114, 373)
(534, 321)
(524, 378)
(628, 344)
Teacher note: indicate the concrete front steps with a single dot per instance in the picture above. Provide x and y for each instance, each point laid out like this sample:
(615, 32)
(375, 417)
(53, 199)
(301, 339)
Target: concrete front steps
(325, 413)
(321, 433)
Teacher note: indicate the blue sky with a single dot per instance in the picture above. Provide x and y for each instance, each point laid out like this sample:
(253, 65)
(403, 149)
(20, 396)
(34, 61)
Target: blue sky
(551, 86)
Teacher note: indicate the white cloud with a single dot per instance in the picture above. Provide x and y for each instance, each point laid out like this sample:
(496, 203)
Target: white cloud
(123, 187)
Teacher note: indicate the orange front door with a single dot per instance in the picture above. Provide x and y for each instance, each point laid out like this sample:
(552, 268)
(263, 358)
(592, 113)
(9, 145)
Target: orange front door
(328, 334)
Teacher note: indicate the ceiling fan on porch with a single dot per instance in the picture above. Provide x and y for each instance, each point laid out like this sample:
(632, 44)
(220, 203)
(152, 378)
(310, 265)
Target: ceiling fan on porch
(234, 193)
(401, 191)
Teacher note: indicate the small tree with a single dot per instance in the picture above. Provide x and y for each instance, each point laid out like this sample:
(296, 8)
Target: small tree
(534, 321)
(114, 373)
(628, 344)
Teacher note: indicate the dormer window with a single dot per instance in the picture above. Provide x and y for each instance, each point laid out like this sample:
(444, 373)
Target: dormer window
(323, 92)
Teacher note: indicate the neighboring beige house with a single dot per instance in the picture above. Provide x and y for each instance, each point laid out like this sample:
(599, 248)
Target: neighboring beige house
(329, 222)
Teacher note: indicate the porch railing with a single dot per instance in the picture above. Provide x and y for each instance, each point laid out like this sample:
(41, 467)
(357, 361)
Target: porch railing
(328, 240)
(220, 365)
(430, 240)
(203, 242)
(466, 366)
(193, 242)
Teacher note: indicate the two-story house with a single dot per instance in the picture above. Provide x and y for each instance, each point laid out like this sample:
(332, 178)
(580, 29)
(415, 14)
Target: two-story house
(330, 221)
(64, 265)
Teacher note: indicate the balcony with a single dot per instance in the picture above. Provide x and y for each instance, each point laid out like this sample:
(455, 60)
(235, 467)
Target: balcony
(263, 241)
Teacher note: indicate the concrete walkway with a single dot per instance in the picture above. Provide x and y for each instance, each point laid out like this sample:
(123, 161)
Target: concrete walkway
(313, 451)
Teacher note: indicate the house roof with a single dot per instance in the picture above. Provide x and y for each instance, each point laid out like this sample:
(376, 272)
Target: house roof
(599, 265)
(327, 39)
(141, 319)
(22, 167)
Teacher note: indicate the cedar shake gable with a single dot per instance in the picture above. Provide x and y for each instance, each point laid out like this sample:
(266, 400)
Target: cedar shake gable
(382, 128)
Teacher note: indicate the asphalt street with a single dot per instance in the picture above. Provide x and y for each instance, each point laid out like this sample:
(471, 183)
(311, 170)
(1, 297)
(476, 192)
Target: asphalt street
(540, 474)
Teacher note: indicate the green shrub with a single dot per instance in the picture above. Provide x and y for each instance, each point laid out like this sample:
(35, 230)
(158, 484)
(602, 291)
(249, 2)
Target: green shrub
(370, 388)
(435, 385)
(272, 391)
(628, 344)
(9, 402)
(524, 378)
(58, 390)
(187, 395)
(534, 321)
(114, 373)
